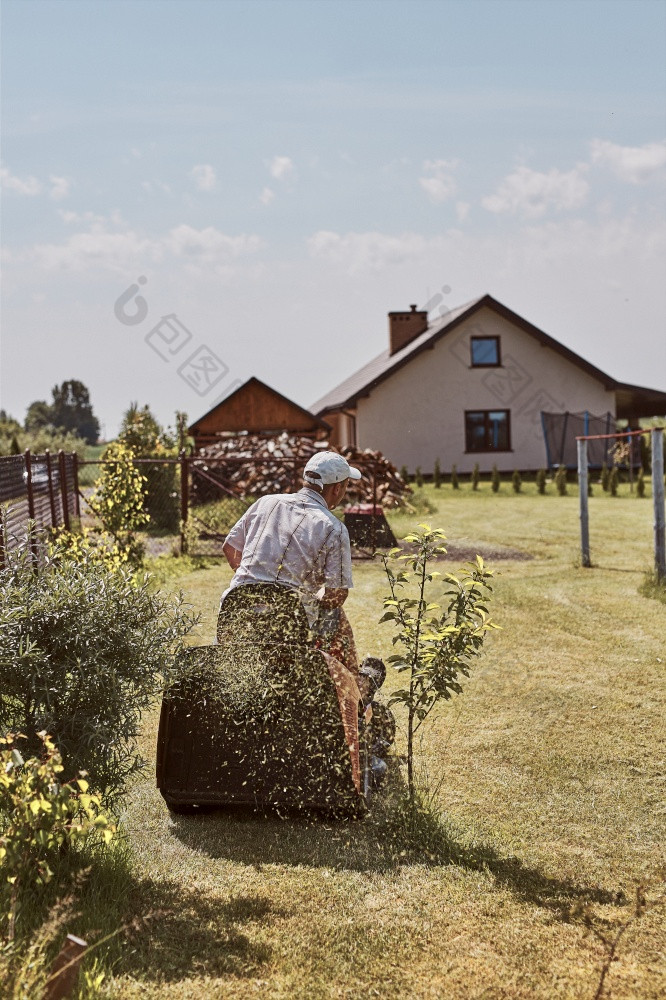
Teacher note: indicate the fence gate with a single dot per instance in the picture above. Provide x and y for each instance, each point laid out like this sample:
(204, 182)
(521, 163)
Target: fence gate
(210, 506)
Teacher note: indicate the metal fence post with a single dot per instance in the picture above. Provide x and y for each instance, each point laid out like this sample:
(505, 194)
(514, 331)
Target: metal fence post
(373, 519)
(75, 471)
(184, 501)
(3, 541)
(63, 489)
(582, 499)
(28, 483)
(658, 497)
(52, 503)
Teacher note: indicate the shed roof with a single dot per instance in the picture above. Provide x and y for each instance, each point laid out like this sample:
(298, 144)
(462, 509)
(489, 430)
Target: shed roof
(631, 400)
(255, 406)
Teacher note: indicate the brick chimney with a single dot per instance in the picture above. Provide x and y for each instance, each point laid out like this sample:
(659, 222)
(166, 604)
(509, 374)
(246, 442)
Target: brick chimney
(404, 327)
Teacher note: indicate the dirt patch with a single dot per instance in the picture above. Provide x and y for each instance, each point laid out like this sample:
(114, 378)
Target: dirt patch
(466, 550)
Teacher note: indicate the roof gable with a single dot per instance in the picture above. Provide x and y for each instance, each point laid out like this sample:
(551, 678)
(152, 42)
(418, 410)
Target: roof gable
(255, 406)
(384, 365)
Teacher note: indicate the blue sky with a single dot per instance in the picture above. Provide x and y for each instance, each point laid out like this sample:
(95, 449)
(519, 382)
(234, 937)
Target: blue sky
(283, 174)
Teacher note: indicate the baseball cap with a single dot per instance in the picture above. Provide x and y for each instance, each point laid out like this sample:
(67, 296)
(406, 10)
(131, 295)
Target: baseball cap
(326, 467)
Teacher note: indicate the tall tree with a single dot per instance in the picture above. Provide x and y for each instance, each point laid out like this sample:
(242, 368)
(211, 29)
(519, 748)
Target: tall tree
(39, 415)
(72, 410)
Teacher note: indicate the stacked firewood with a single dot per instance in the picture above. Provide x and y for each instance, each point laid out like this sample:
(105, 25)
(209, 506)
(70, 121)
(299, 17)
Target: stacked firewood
(253, 465)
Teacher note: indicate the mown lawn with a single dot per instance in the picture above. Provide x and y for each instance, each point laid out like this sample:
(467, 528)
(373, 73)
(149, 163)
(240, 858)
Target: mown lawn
(549, 773)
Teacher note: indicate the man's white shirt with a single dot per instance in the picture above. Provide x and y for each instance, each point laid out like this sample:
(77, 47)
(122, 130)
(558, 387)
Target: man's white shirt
(292, 539)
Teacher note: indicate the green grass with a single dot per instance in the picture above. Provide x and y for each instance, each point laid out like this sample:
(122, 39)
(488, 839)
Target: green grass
(547, 777)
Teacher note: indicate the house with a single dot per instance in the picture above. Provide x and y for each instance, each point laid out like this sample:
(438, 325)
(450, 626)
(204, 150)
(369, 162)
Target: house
(480, 384)
(256, 408)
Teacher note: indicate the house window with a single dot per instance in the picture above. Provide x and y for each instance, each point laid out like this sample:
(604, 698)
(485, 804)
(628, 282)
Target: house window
(485, 352)
(487, 430)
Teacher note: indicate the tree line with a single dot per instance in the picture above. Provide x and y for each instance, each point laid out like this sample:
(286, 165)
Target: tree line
(67, 421)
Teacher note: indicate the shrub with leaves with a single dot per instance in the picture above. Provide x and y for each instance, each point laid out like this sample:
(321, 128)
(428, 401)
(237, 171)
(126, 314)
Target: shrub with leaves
(495, 479)
(83, 651)
(437, 475)
(118, 501)
(476, 476)
(541, 481)
(640, 484)
(605, 476)
(561, 480)
(39, 816)
(455, 482)
(142, 433)
(418, 477)
(516, 481)
(438, 642)
(613, 480)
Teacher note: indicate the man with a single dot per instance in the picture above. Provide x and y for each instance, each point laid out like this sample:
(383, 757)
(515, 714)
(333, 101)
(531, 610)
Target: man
(294, 540)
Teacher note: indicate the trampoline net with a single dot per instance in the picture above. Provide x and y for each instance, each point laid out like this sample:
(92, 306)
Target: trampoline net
(560, 431)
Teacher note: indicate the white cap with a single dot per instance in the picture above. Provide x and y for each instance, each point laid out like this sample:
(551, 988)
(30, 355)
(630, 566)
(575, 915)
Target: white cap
(328, 467)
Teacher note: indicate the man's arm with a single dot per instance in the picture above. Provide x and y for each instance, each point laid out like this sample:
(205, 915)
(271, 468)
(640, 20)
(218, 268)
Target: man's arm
(333, 597)
(233, 557)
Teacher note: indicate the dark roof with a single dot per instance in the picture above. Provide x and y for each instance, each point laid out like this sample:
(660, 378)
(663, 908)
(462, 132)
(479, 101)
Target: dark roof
(629, 400)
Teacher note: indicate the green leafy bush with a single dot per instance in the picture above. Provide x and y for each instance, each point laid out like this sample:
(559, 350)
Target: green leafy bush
(605, 477)
(516, 481)
(118, 501)
(541, 481)
(613, 480)
(141, 432)
(561, 480)
(455, 482)
(495, 479)
(418, 477)
(39, 816)
(83, 650)
(14, 440)
(476, 476)
(640, 484)
(437, 475)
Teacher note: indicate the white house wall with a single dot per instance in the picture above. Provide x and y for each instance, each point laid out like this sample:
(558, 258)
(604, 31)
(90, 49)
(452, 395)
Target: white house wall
(417, 415)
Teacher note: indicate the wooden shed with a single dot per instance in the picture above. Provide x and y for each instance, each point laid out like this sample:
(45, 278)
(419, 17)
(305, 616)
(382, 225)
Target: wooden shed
(258, 409)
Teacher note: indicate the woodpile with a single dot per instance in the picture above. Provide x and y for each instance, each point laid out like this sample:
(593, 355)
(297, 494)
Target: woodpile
(253, 465)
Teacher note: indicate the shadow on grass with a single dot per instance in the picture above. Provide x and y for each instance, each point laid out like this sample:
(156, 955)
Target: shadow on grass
(394, 835)
(191, 934)
(167, 932)
(152, 930)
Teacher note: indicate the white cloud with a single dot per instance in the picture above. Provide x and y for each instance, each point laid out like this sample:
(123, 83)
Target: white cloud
(210, 245)
(59, 188)
(155, 187)
(21, 185)
(203, 176)
(440, 184)
(634, 164)
(462, 210)
(531, 194)
(281, 167)
(369, 251)
(99, 247)
(266, 196)
(70, 217)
